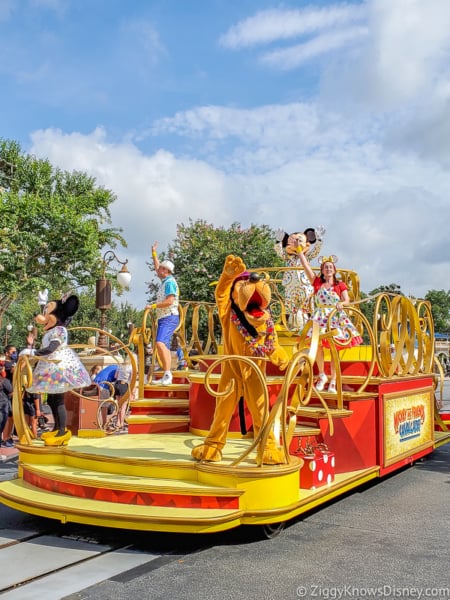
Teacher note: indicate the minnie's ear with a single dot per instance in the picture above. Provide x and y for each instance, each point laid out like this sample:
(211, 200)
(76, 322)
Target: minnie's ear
(310, 235)
(70, 305)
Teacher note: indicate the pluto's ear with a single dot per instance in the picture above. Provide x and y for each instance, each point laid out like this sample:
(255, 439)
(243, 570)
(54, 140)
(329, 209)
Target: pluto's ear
(70, 306)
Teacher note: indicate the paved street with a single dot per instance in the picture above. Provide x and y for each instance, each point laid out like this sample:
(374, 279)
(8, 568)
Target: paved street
(389, 539)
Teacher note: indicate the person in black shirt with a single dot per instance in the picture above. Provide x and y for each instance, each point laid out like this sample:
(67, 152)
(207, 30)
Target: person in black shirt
(10, 363)
(5, 400)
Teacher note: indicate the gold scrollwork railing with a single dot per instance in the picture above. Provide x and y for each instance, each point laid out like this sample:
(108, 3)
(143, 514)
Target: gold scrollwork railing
(219, 362)
(194, 317)
(404, 335)
(23, 377)
(107, 418)
(275, 275)
(282, 417)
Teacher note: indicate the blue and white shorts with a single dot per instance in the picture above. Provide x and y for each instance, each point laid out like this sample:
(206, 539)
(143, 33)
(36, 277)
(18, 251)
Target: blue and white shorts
(166, 327)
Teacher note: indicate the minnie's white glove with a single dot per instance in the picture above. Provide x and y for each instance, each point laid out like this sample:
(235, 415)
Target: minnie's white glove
(320, 232)
(279, 235)
(27, 352)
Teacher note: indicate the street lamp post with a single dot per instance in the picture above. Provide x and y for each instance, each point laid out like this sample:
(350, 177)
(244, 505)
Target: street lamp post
(32, 330)
(103, 291)
(7, 332)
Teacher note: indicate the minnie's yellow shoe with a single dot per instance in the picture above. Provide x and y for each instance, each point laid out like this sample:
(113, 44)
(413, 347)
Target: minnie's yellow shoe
(59, 440)
(48, 434)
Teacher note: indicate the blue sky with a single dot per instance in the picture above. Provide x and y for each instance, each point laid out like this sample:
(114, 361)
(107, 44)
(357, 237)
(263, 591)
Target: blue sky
(290, 114)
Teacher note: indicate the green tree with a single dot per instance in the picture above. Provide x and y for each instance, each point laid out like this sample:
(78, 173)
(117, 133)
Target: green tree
(440, 309)
(200, 249)
(118, 318)
(368, 306)
(53, 226)
(21, 317)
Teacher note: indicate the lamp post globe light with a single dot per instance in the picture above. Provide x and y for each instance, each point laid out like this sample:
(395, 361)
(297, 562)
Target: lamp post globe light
(103, 291)
(8, 329)
(32, 330)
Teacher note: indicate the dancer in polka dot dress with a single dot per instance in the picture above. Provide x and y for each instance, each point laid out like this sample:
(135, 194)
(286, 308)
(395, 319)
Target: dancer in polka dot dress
(330, 296)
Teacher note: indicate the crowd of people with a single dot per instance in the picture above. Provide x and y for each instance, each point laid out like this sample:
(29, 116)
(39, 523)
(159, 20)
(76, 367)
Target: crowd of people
(32, 403)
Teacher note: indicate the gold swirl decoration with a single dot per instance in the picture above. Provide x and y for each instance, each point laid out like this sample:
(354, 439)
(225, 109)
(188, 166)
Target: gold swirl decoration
(308, 344)
(108, 423)
(145, 332)
(405, 335)
(311, 337)
(283, 415)
(426, 323)
(23, 377)
(199, 316)
(275, 276)
(233, 358)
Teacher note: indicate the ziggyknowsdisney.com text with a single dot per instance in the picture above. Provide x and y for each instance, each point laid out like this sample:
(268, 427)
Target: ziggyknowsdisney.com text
(384, 591)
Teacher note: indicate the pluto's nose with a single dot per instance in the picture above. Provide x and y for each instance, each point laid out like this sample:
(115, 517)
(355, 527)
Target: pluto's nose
(254, 277)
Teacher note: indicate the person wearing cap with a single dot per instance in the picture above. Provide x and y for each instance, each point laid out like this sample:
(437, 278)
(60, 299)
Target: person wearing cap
(167, 314)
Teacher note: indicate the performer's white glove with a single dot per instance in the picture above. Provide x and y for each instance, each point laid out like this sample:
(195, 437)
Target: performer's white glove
(43, 297)
(27, 352)
(320, 232)
(279, 235)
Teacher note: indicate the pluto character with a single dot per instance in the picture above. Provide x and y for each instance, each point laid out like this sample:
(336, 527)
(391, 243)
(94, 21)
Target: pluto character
(247, 330)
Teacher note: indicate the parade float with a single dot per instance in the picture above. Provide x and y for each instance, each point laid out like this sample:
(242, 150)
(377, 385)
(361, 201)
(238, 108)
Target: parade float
(382, 418)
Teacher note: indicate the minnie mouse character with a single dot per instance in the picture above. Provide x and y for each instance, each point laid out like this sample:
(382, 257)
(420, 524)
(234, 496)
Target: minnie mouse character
(299, 293)
(61, 370)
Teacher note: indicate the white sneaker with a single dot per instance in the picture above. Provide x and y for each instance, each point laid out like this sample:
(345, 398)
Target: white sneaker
(166, 380)
(320, 383)
(332, 387)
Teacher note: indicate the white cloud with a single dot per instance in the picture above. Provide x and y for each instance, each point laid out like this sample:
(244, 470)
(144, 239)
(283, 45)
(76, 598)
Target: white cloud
(379, 208)
(375, 174)
(154, 193)
(410, 42)
(403, 60)
(293, 56)
(271, 25)
(263, 137)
